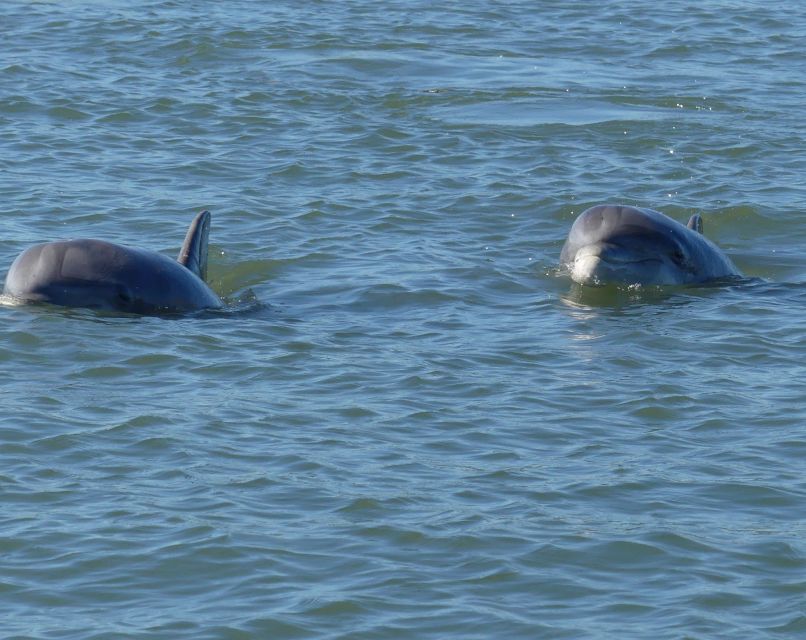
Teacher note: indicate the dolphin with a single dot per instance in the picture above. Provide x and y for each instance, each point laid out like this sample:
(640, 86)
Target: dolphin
(617, 244)
(102, 275)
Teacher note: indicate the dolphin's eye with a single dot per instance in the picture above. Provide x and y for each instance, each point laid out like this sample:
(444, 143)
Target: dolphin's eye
(678, 257)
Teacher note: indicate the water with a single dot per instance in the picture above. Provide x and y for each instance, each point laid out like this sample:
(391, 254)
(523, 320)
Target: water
(407, 424)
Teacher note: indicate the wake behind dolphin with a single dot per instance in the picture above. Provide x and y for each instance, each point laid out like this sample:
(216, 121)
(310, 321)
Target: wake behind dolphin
(615, 244)
(102, 275)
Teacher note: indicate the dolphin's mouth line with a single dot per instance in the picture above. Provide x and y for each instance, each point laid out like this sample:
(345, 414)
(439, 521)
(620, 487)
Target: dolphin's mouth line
(615, 259)
(597, 268)
(637, 261)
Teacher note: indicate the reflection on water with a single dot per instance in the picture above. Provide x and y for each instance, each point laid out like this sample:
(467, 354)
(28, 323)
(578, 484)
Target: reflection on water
(618, 296)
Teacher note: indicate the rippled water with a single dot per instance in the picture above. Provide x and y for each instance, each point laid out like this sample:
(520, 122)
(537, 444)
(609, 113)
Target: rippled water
(407, 424)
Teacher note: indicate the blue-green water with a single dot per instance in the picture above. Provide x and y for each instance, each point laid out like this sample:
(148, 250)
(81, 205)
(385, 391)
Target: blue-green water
(407, 424)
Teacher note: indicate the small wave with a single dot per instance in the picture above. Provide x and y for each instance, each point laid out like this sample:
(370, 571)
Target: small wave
(387, 297)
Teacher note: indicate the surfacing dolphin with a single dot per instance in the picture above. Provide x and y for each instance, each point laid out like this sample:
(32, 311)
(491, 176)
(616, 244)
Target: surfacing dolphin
(615, 244)
(103, 275)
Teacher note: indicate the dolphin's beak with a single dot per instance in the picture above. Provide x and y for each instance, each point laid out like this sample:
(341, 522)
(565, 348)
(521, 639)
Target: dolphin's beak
(587, 264)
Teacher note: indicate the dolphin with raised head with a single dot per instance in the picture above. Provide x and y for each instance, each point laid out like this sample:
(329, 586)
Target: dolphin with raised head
(102, 275)
(617, 244)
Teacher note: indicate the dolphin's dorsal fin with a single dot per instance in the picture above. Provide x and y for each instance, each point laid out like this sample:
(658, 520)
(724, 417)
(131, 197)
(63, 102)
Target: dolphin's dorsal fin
(193, 253)
(695, 223)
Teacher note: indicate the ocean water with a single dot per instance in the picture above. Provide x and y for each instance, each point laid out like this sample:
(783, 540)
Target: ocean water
(406, 423)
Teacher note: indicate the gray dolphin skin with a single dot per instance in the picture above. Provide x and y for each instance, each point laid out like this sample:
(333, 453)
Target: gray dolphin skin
(102, 275)
(615, 244)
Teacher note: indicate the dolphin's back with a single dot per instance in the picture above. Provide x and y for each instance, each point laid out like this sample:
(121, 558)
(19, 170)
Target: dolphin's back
(104, 275)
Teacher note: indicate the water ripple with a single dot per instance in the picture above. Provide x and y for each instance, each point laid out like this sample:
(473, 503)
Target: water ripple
(407, 422)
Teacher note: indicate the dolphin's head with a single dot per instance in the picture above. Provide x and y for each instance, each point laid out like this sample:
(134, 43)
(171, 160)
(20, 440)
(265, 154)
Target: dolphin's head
(625, 245)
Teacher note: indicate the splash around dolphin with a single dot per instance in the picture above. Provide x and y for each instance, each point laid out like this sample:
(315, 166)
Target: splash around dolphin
(102, 275)
(617, 244)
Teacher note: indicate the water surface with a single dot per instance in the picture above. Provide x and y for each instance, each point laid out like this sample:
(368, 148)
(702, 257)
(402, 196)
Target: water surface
(407, 425)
